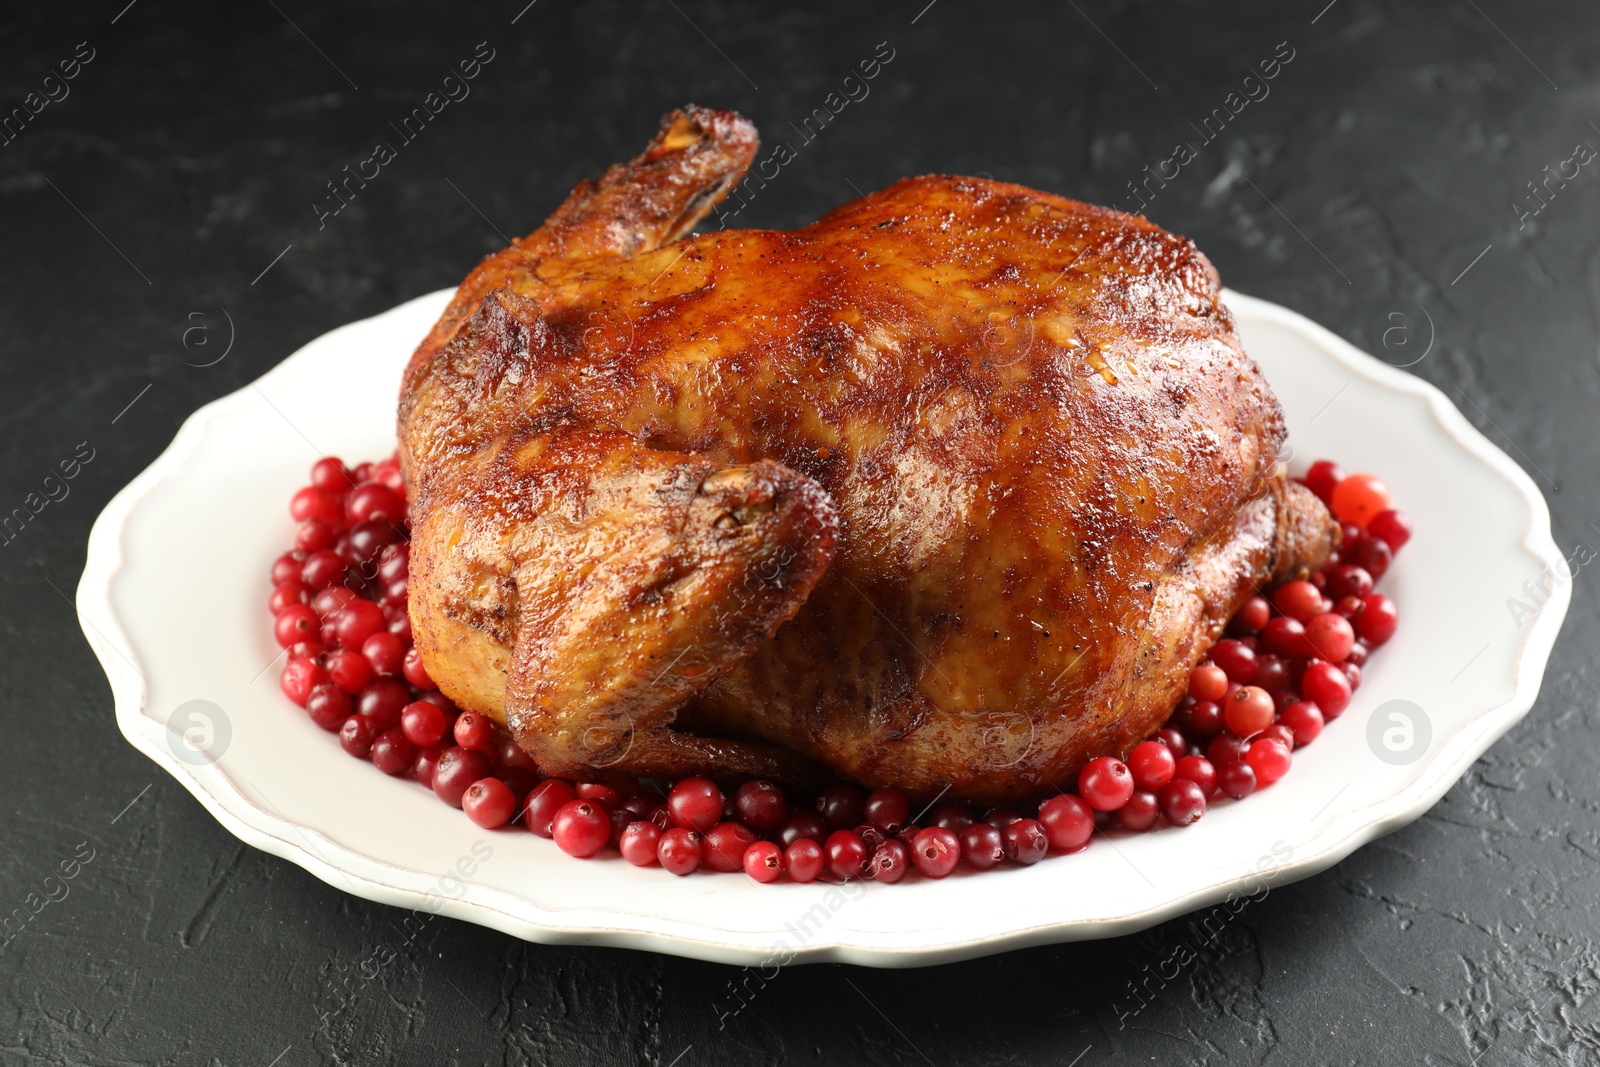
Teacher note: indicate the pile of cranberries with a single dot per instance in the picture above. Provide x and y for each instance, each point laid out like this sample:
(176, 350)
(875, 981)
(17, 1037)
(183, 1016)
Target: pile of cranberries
(1287, 666)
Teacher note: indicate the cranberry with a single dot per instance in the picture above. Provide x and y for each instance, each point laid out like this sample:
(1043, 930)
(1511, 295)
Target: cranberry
(392, 752)
(695, 803)
(606, 796)
(361, 472)
(1236, 779)
(1269, 758)
(384, 652)
(1331, 636)
(357, 621)
(1224, 749)
(289, 593)
(1287, 637)
(1278, 732)
(1378, 619)
(1303, 720)
(459, 768)
(1327, 685)
(1237, 660)
(314, 535)
(841, 806)
(1352, 675)
(548, 797)
(870, 836)
(1068, 822)
(1182, 801)
(1248, 711)
(760, 805)
(1140, 812)
(952, 816)
(423, 723)
(639, 842)
(1200, 771)
(1348, 579)
(1297, 600)
(322, 569)
(982, 846)
(476, 731)
(1373, 555)
(1252, 615)
(1323, 478)
(935, 851)
(679, 851)
(846, 852)
(1272, 672)
(287, 567)
(355, 736)
(1105, 783)
(388, 472)
(364, 543)
(887, 809)
(724, 844)
(329, 706)
(314, 503)
(394, 562)
(349, 670)
(1001, 817)
(1151, 763)
(296, 622)
(1208, 682)
(1358, 654)
(803, 860)
(889, 862)
(763, 861)
(414, 671)
(1025, 841)
(1173, 740)
(329, 475)
(299, 678)
(383, 702)
(489, 802)
(1359, 498)
(1391, 527)
(802, 826)
(581, 827)
(327, 601)
(1205, 718)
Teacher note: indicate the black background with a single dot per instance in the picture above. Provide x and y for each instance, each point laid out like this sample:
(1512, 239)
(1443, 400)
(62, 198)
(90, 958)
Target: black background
(189, 155)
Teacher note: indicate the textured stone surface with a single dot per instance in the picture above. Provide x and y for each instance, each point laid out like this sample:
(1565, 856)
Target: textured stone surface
(198, 139)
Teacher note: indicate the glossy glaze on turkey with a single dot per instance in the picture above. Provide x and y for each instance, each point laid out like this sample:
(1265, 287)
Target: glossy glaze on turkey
(948, 490)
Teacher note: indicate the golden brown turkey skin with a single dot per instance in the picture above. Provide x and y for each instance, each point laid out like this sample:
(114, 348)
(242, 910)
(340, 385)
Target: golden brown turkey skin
(948, 490)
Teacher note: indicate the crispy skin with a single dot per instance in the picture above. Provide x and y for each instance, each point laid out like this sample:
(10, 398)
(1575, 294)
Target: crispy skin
(952, 487)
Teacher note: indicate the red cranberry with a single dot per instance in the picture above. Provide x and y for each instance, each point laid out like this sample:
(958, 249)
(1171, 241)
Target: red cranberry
(1224, 749)
(1272, 672)
(1174, 741)
(695, 803)
(1392, 527)
(1269, 758)
(1237, 779)
(392, 753)
(1237, 660)
(356, 735)
(847, 854)
(384, 652)
(1140, 812)
(1068, 822)
(475, 731)
(313, 503)
(414, 671)
(1001, 817)
(1331, 636)
(982, 846)
(374, 502)
(329, 706)
(763, 861)
(1373, 555)
(841, 806)
(314, 535)
(803, 860)
(287, 567)
(952, 816)
(349, 670)
(299, 678)
(326, 602)
(1105, 783)
(802, 826)
(1298, 600)
(1252, 615)
(679, 851)
(383, 702)
(722, 847)
(887, 809)
(357, 621)
(1348, 579)
(581, 827)
(548, 797)
(322, 569)
(426, 763)
(1182, 801)
(1208, 682)
(459, 768)
(1304, 720)
(935, 851)
(1378, 619)
(329, 475)
(1205, 718)
(388, 472)
(394, 562)
(1323, 478)
(1358, 654)
(639, 842)
(889, 862)
(1327, 685)
(423, 723)
(489, 802)
(870, 836)
(1352, 675)
(606, 796)
(1200, 771)
(1248, 711)
(290, 592)
(1025, 841)
(364, 542)
(1151, 763)
(296, 622)
(760, 805)
(1278, 732)
(1287, 637)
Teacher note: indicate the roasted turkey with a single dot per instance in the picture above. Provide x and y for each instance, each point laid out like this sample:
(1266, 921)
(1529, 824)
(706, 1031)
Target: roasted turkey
(948, 490)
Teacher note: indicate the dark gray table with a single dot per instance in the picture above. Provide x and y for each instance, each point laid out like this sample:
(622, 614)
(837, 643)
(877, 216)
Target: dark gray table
(1384, 173)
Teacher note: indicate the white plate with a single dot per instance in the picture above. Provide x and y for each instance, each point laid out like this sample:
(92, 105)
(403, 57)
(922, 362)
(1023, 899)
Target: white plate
(173, 601)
